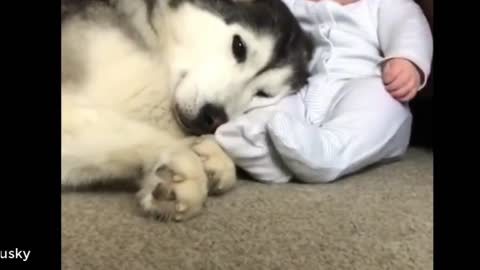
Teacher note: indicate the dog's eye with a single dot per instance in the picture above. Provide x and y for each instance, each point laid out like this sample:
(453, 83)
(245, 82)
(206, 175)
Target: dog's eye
(261, 93)
(239, 49)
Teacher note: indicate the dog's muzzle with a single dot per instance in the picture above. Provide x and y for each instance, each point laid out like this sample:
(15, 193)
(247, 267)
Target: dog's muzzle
(209, 118)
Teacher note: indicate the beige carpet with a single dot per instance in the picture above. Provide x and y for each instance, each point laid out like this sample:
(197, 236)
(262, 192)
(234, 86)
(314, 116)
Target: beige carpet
(379, 219)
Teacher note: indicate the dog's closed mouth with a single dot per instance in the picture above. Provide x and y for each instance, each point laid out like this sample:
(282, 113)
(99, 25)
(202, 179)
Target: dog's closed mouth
(182, 122)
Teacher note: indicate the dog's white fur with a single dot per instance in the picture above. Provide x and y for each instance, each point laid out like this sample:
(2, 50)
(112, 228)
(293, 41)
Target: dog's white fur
(117, 119)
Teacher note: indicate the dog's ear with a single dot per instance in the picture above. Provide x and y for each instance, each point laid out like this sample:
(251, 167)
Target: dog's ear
(309, 48)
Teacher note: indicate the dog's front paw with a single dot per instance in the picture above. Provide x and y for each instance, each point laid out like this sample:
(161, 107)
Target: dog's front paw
(219, 168)
(176, 189)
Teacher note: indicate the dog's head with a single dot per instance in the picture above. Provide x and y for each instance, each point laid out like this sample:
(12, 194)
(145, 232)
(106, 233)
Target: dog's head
(230, 56)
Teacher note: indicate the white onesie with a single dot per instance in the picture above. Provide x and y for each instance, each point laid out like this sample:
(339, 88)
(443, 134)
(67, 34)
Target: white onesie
(344, 119)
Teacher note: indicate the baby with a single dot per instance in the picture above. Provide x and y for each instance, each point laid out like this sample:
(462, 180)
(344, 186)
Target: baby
(371, 58)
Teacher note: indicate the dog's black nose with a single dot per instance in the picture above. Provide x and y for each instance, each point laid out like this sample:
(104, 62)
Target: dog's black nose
(210, 118)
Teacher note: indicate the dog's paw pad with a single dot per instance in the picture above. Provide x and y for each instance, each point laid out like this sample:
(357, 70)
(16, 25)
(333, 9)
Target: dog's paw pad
(163, 192)
(164, 172)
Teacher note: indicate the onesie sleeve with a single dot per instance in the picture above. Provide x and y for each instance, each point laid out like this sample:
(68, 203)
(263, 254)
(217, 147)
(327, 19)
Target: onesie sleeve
(404, 31)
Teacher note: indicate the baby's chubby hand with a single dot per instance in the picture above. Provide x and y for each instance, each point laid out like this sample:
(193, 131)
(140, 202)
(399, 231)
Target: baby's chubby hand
(401, 78)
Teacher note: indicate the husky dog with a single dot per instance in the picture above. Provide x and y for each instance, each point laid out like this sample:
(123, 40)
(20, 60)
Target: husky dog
(145, 81)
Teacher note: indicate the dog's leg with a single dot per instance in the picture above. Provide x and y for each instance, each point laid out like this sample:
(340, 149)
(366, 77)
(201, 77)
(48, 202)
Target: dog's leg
(219, 167)
(104, 145)
(101, 145)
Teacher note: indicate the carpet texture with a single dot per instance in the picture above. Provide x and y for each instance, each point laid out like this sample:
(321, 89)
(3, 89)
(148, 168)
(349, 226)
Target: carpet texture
(381, 218)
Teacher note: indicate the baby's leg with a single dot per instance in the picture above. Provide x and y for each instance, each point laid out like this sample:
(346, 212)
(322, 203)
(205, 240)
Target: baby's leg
(366, 126)
(246, 141)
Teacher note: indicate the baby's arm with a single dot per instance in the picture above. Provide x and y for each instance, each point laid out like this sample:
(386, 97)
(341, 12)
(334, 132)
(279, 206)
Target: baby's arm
(407, 43)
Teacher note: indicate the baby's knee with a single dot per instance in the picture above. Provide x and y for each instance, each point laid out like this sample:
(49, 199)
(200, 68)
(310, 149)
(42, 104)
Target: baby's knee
(375, 110)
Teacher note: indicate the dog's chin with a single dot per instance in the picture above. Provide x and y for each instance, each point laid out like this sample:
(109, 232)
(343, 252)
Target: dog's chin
(179, 119)
(182, 122)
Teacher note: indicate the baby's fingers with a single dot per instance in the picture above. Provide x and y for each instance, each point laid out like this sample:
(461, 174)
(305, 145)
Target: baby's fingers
(399, 82)
(409, 96)
(413, 87)
(389, 73)
(405, 90)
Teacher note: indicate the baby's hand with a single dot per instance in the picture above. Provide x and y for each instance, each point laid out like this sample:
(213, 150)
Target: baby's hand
(401, 78)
